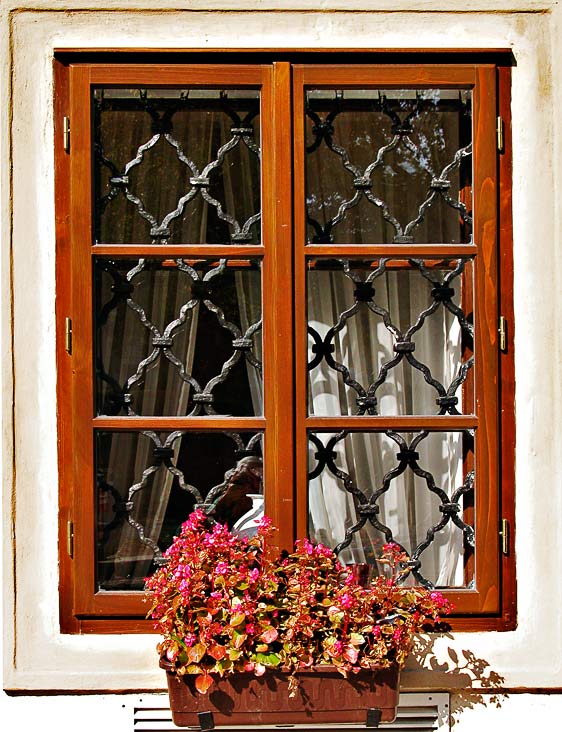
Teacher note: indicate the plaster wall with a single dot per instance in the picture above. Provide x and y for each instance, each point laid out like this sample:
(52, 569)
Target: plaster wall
(36, 656)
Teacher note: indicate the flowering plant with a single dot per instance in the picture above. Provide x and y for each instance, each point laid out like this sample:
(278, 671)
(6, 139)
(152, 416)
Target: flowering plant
(225, 606)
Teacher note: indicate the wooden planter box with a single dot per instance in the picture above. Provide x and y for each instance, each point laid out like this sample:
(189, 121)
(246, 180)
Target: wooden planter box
(324, 696)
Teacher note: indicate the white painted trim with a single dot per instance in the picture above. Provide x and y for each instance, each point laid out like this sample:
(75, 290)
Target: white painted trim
(44, 659)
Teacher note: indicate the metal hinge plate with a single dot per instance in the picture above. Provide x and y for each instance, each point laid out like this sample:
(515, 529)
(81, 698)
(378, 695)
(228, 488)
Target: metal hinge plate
(66, 133)
(502, 330)
(68, 335)
(504, 533)
(70, 538)
(499, 134)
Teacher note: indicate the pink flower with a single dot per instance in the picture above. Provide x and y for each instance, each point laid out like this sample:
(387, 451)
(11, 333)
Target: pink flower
(250, 628)
(254, 574)
(221, 568)
(346, 600)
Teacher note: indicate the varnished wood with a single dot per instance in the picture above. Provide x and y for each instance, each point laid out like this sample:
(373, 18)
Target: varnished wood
(63, 305)
(405, 423)
(278, 303)
(208, 423)
(485, 191)
(195, 75)
(407, 76)
(301, 351)
(390, 250)
(285, 385)
(507, 358)
(177, 250)
(82, 384)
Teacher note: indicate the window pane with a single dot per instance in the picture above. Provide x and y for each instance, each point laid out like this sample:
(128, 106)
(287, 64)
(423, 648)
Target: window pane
(176, 166)
(367, 489)
(147, 484)
(390, 165)
(390, 337)
(176, 337)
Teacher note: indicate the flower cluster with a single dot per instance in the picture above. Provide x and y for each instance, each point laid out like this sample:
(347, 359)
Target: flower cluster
(224, 606)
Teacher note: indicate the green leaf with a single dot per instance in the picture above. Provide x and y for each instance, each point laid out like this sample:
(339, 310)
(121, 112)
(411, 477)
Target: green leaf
(237, 619)
(268, 659)
(238, 639)
(357, 639)
(196, 652)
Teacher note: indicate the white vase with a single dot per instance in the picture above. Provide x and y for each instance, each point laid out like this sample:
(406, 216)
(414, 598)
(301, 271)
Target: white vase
(247, 525)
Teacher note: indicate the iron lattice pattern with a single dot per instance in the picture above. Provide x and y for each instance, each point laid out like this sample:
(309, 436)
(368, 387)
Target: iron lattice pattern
(201, 286)
(367, 502)
(441, 297)
(162, 458)
(200, 179)
(402, 115)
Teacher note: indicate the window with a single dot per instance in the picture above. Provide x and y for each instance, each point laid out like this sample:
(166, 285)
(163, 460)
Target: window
(282, 282)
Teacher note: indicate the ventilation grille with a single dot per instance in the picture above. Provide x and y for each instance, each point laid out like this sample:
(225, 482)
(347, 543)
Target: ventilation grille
(416, 713)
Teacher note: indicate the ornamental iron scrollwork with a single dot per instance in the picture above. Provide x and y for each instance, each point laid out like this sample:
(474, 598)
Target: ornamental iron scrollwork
(402, 114)
(246, 476)
(204, 286)
(161, 111)
(367, 502)
(404, 346)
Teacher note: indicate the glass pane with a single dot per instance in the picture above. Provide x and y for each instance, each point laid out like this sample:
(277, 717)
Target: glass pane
(178, 337)
(176, 166)
(390, 165)
(147, 484)
(366, 489)
(390, 337)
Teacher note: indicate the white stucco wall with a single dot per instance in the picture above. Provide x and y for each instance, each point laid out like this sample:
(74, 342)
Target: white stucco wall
(36, 656)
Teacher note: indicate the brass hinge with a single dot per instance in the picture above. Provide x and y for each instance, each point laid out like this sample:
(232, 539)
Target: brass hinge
(502, 330)
(504, 533)
(66, 133)
(499, 133)
(70, 538)
(68, 335)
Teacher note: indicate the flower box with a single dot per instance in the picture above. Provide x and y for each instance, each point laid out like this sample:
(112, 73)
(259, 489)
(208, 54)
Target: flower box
(323, 696)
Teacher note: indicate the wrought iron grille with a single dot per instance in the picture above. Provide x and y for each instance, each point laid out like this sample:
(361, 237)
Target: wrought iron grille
(204, 284)
(120, 505)
(190, 180)
(394, 118)
(441, 296)
(367, 499)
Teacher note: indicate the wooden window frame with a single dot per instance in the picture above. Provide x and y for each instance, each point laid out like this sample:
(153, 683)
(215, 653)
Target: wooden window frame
(283, 250)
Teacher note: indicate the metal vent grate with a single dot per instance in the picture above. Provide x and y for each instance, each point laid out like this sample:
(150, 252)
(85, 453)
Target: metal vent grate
(416, 713)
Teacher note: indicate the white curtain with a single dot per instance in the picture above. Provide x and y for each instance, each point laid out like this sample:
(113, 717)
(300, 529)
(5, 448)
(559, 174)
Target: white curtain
(364, 344)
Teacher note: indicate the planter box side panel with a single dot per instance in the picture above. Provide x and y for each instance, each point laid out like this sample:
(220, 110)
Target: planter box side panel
(323, 696)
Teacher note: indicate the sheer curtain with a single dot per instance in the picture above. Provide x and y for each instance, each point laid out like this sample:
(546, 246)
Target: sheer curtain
(164, 293)
(408, 508)
(365, 344)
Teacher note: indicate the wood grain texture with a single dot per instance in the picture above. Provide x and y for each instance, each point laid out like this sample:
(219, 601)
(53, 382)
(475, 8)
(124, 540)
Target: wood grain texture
(301, 354)
(82, 382)
(278, 303)
(487, 485)
(507, 358)
(406, 76)
(63, 307)
(285, 260)
(177, 250)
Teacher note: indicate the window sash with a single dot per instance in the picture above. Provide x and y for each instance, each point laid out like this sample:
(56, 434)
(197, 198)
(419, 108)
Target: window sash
(282, 250)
